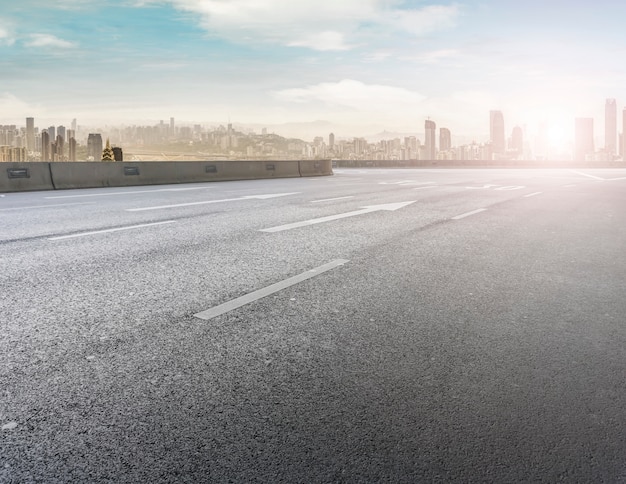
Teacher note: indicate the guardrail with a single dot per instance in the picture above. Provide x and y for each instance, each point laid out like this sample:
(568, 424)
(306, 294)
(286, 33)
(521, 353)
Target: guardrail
(476, 164)
(30, 176)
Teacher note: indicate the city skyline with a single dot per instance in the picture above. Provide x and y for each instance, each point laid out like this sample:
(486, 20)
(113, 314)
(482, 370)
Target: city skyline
(360, 67)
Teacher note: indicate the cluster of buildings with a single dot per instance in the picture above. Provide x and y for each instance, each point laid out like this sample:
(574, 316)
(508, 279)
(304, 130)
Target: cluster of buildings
(614, 144)
(55, 143)
(167, 141)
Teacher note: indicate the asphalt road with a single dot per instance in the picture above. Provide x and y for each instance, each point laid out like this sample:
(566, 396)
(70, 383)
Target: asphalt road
(373, 326)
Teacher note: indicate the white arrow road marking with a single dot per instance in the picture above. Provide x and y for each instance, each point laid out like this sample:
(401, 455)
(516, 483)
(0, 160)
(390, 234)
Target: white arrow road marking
(205, 202)
(587, 175)
(266, 291)
(83, 234)
(368, 209)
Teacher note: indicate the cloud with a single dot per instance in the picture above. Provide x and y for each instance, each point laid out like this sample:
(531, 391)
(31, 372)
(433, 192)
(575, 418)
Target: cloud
(354, 95)
(47, 40)
(5, 36)
(14, 108)
(322, 41)
(315, 24)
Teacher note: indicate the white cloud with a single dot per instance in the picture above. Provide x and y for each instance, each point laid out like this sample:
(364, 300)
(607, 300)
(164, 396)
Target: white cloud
(322, 41)
(354, 95)
(5, 36)
(315, 24)
(14, 109)
(47, 40)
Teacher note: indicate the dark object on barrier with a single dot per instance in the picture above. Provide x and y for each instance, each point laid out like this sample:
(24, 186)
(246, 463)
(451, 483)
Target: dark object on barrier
(18, 172)
(131, 170)
(210, 169)
(270, 167)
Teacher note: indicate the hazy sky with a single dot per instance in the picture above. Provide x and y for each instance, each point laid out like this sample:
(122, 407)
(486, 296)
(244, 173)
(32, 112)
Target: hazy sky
(362, 65)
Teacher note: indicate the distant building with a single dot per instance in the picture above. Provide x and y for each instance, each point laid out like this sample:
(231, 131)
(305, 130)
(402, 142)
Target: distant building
(117, 153)
(71, 149)
(61, 132)
(94, 146)
(445, 139)
(107, 152)
(496, 131)
(30, 134)
(623, 144)
(331, 141)
(45, 146)
(60, 148)
(610, 127)
(517, 141)
(430, 146)
(584, 147)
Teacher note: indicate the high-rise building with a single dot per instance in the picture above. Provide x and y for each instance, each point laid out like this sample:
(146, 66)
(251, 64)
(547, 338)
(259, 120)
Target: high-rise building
(610, 127)
(496, 131)
(45, 146)
(74, 125)
(60, 144)
(52, 131)
(430, 140)
(331, 141)
(584, 147)
(30, 134)
(118, 153)
(517, 140)
(445, 139)
(61, 132)
(624, 134)
(71, 147)
(107, 152)
(94, 146)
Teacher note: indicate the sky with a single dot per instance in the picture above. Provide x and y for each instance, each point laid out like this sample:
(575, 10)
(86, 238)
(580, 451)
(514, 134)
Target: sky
(355, 67)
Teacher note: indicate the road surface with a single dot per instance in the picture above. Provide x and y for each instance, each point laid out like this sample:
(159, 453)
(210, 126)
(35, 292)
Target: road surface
(373, 326)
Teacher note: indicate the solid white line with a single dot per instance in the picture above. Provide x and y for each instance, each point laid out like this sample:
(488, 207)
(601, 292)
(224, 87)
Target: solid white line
(423, 188)
(189, 204)
(48, 206)
(266, 291)
(467, 214)
(128, 193)
(332, 199)
(205, 202)
(532, 194)
(110, 230)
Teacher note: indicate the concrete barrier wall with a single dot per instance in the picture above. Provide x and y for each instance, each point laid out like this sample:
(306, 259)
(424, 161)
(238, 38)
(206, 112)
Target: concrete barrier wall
(67, 175)
(315, 167)
(21, 177)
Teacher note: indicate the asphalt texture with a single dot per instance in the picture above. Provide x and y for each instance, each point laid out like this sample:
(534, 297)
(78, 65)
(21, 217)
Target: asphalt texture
(454, 345)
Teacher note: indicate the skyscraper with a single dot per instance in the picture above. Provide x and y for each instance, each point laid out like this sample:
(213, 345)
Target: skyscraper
(61, 132)
(429, 139)
(45, 146)
(94, 146)
(624, 135)
(517, 140)
(445, 139)
(583, 134)
(496, 130)
(30, 134)
(610, 127)
(331, 141)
